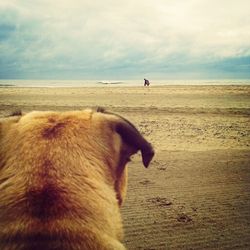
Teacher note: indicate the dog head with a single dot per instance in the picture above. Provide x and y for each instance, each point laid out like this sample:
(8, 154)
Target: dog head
(82, 138)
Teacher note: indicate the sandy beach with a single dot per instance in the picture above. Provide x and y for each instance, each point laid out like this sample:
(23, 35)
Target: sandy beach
(196, 193)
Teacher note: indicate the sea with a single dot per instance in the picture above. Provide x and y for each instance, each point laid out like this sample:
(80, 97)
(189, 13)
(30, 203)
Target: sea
(118, 83)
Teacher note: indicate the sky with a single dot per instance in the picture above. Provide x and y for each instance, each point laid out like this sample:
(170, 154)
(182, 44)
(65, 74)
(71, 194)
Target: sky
(124, 39)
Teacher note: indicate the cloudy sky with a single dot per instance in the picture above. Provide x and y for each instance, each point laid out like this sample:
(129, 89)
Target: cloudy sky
(124, 39)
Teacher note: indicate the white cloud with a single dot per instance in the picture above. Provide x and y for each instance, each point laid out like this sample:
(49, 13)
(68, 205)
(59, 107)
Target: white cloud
(117, 32)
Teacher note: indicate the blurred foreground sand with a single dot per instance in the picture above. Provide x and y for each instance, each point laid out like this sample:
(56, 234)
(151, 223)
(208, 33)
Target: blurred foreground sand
(196, 193)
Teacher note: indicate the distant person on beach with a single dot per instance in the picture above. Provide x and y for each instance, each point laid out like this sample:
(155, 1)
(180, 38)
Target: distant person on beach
(146, 82)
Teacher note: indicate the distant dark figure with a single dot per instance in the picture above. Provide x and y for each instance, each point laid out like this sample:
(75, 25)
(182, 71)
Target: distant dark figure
(146, 82)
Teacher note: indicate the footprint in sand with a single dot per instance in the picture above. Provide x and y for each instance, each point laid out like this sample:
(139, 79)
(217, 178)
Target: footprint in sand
(160, 201)
(184, 218)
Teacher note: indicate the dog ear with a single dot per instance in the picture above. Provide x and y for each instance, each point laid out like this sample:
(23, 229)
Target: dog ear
(133, 138)
(7, 121)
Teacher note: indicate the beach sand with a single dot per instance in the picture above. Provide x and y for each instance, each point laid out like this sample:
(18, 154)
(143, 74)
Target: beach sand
(196, 193)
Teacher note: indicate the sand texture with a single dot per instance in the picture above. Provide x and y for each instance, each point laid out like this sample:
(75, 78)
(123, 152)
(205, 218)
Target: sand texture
(196, 193)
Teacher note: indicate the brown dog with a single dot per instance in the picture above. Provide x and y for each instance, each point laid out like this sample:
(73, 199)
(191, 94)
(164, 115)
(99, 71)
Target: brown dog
(63, 177)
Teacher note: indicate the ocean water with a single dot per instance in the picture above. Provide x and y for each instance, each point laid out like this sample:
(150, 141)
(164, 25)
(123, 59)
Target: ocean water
(119, 83)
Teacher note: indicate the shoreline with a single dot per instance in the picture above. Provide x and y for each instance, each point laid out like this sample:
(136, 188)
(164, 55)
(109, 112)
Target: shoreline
(128, 86)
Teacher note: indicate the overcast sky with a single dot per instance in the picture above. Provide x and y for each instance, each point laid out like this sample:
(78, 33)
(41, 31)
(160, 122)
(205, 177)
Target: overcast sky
(124, 39)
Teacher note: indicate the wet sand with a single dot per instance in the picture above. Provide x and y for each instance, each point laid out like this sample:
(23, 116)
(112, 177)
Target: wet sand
(196, 193)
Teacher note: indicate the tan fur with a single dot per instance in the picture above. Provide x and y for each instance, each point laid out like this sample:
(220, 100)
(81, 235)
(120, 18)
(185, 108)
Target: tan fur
(62, 179)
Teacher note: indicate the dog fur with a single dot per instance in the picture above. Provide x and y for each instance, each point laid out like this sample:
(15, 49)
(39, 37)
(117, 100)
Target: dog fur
(63, 177)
